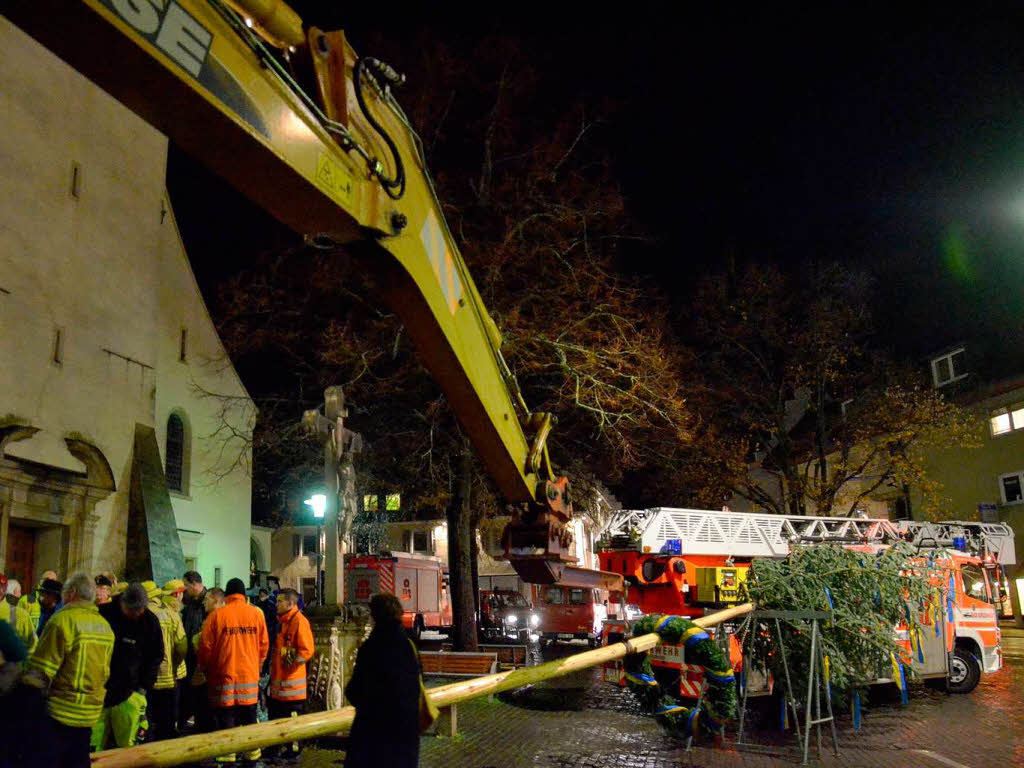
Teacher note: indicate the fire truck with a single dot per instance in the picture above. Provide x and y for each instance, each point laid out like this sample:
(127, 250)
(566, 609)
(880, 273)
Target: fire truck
(689, 562)
(420, 582)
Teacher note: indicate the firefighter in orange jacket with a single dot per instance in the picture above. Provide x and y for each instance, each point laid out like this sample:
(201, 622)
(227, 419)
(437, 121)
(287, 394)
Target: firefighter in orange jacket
(232, 648)
(293, 648)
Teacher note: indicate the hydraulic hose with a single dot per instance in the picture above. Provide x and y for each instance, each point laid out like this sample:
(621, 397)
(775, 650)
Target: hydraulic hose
(395, 187)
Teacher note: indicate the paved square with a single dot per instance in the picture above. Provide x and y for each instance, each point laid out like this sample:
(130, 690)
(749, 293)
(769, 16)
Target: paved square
(580, 722)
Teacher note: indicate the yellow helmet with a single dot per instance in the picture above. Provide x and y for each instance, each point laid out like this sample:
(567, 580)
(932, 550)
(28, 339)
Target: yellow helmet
(174, 586)
(152, 590)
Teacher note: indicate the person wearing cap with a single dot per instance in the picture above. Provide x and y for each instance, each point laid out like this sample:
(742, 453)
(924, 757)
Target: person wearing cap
(293, 648)
(17, 617)
(138, 652)
(173, 592)
(193, 614)
(50, 601)
(103, 587)
(232, 648)
(73, 654)
(30, 602)
(163, 697)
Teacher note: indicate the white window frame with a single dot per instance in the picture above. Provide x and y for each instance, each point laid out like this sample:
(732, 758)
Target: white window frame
(948, 356)
(1007, 410)
(1002, 489)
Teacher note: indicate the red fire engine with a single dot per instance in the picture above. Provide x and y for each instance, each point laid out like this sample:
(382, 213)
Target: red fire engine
(689, 562)
(420, 582)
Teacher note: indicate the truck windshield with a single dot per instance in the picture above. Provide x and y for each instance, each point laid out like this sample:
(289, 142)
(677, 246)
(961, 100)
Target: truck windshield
(554, 596)
(515, 600)
(975, 582)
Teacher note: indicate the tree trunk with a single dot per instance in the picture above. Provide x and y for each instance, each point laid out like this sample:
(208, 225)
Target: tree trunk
(460, 557)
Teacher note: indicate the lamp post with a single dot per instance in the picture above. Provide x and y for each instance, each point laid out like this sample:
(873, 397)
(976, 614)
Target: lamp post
(318, 503)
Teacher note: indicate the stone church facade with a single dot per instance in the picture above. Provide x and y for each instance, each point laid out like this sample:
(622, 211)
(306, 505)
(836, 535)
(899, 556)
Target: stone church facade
(108, 357)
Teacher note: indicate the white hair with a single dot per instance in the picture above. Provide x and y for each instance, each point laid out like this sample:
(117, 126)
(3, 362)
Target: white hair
(13, 585)
(82, 585)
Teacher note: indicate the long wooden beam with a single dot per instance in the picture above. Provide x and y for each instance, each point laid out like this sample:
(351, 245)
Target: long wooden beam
(201, 746)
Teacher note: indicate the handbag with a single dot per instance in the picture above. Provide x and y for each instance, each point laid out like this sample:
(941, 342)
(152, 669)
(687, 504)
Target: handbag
(428, 710)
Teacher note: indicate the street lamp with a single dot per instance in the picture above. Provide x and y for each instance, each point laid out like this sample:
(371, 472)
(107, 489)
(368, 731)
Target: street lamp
(318, 502)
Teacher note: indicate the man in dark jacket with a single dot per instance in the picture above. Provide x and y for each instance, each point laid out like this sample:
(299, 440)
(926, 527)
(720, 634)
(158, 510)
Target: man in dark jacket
(138, 651)
(193, 614)
(385, 690)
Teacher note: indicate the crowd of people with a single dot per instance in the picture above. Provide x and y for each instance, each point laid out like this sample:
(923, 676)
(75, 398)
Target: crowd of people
(93, 663)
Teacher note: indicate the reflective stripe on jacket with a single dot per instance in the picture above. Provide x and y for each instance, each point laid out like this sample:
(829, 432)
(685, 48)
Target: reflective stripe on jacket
(175, 645)
(21, 623)
(232, 648)
(288, 681)
(74, 653)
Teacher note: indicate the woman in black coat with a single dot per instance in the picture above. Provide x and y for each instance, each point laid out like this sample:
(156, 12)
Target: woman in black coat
(385, 690)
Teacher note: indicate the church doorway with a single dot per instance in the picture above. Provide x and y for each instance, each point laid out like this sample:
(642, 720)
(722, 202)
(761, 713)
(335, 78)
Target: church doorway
(21, 550)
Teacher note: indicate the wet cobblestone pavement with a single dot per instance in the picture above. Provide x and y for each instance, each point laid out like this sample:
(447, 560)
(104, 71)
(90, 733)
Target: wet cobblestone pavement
(579, 722)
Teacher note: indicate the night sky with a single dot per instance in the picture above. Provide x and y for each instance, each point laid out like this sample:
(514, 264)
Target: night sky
(891, 142)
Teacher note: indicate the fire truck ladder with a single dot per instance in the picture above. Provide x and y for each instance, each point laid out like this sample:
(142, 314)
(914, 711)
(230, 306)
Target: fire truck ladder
(748, 534)
(982, 539)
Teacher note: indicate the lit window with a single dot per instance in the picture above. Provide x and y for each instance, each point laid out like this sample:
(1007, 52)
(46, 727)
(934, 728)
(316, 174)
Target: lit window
(1006, 420)
(393, 502)
(949, 368)
(1010, 486)
(370, 502)
(1001, 424)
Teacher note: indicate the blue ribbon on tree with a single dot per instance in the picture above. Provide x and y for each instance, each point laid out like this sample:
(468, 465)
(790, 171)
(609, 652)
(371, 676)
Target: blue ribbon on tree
(855, 706)
(949, 598)
(641, 679)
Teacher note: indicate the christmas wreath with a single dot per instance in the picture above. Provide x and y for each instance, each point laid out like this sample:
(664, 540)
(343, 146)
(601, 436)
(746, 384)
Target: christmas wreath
(719, 701)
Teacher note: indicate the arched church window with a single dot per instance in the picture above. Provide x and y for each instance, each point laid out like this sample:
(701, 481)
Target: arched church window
(176, 455)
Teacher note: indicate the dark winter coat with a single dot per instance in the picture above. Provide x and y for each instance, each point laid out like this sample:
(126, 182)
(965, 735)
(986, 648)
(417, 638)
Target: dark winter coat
(138, 652)
(193, 614)
(385, 690)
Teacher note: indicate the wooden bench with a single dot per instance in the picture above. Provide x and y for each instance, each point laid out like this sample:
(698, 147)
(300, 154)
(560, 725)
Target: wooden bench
(456, 664)
(509, 656)
(459, 663)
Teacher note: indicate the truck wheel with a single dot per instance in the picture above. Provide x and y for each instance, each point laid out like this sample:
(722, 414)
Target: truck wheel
(964, 671)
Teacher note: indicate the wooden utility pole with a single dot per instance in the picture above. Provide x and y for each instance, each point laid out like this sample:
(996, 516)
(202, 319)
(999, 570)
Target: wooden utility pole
(205, 745)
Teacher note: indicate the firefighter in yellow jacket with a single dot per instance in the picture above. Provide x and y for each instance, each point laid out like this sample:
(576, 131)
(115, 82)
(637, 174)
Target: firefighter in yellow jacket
(73, 654)
(162, 701)
(17, 617)
(31, 603)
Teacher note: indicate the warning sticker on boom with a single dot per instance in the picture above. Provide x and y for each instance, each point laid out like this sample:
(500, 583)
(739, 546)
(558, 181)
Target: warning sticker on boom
(334, 179)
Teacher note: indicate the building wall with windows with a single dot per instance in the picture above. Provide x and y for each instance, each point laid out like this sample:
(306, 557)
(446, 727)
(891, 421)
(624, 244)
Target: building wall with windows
(102, 327)
(992, 474)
